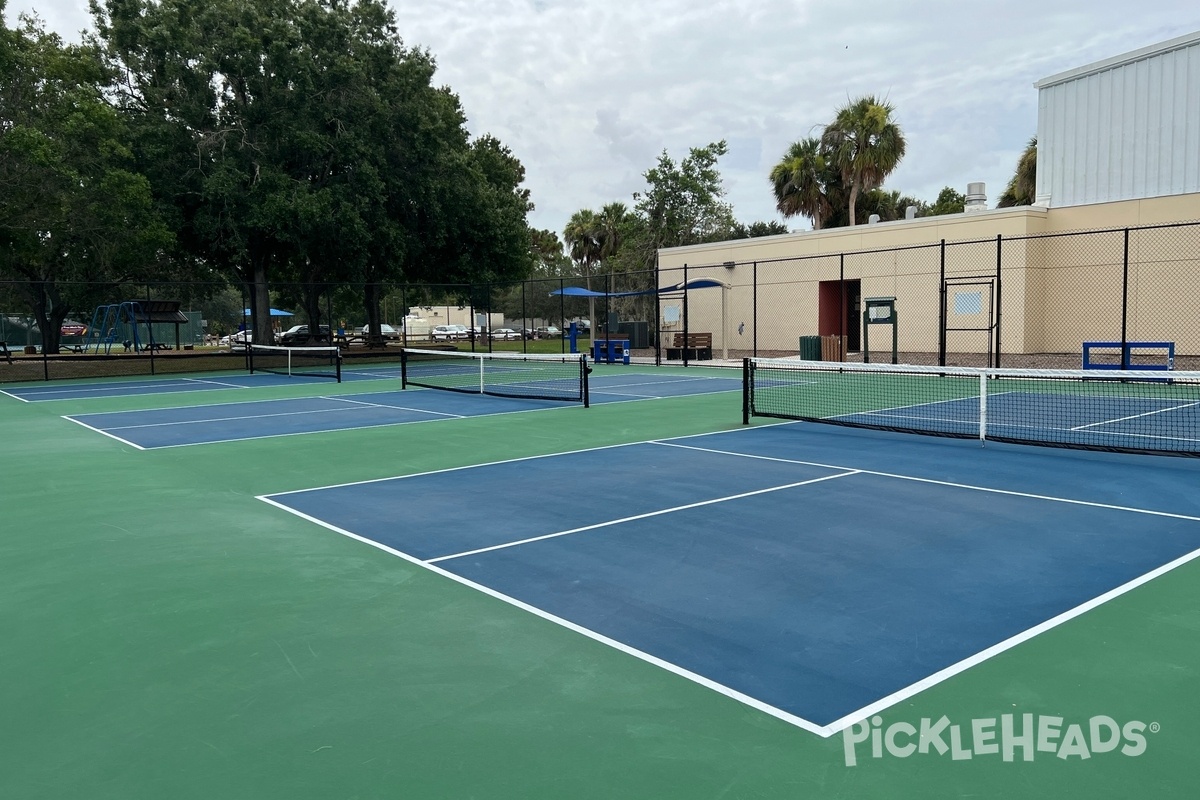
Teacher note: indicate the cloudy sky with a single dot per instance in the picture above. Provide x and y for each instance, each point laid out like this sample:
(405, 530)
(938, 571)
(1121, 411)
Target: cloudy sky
(588, 93)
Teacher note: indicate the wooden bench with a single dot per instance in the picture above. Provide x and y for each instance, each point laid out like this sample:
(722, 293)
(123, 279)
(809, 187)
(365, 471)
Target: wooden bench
(4, 353)
(695, 347)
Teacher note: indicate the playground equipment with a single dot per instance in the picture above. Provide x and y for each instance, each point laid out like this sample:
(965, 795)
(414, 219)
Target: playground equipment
(132, 324)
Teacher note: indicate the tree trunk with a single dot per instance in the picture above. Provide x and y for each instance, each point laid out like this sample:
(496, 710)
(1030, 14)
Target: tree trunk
(371, 297)
(260, 305)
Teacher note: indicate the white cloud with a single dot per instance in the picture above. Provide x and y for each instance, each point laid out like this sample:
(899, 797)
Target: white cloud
(587, 93)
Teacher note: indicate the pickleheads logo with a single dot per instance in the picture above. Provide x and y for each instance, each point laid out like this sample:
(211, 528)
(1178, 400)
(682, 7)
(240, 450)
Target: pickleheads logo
(1006, 737)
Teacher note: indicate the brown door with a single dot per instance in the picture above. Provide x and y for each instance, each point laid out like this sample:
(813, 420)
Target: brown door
(840, 311)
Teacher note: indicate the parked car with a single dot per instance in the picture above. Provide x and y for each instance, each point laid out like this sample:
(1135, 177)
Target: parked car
(236, 341)
(298, 334)
(546, 332)
(444, 333)
(505, 334)
(385, 330)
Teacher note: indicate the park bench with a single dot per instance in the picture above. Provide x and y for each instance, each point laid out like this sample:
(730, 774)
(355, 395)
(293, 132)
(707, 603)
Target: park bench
(692, 347)
(4, 353)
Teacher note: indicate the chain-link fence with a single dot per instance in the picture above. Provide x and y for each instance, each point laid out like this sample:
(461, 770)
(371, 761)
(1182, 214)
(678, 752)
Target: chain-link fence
(1023, 301)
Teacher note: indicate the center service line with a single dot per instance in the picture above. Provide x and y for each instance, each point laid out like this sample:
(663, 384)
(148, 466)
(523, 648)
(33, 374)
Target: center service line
(641, 516)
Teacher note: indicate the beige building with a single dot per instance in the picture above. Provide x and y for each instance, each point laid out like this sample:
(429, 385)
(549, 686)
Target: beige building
(1102, 255)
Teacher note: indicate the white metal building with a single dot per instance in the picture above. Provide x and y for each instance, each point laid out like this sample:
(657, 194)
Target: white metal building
(1124, 128)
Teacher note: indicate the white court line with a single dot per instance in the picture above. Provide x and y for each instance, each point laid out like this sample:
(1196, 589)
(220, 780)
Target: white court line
(13, 396)
(821, 730)
(675, 669)
(356, 403)
(703, 378)
(396, 408)
(951, 484)
(105, 433)
(983, 655)
(216, 383)
(330, 430)
(206, 420)
(595, 392)
(883, 412)
(260, 401)
(371, 373)
(635, 517)
(1136, 416)
(640, 397)
(75, 390)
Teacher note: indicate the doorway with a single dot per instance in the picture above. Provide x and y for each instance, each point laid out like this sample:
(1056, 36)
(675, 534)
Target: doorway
(839, 311)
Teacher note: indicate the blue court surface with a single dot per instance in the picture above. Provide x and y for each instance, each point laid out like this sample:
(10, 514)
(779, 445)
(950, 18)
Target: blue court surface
(43, 392)
(238, 421)
(819, 575)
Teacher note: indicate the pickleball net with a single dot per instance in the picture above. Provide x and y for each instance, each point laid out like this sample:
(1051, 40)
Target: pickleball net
(313, 362)
(532, 376)
(1145, 412)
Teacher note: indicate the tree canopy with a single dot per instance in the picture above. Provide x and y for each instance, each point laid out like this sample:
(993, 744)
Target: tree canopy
(77, 218)
(301, 141)
(801, 181)
(1022, 188)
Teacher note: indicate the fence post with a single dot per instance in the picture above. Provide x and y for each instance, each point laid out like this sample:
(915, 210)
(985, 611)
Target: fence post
(404, 311)
(562, 303)
(1125, 303)
(942, 305)
(999, 295)
(149, 329)
(657, 278)
(754, 308)
(608, 334)
(685, 313)
(842, 344)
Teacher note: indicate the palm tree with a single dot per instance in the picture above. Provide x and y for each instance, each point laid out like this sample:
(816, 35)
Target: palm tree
(1023, 186)
(864, 144)
(609, 223)
(798, 185)
(583, 236)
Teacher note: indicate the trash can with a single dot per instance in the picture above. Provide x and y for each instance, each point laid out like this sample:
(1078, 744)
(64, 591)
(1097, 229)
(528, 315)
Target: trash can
(810, 348)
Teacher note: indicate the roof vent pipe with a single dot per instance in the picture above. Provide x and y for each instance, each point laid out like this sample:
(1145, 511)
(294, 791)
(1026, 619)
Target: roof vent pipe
(976, 198)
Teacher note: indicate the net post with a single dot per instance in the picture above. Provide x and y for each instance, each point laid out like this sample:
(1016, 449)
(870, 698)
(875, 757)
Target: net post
(337, 364)
(745, 391)
(583, 378)
(250, 357)
(482, 379)
(983, 376)
(403, 368)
